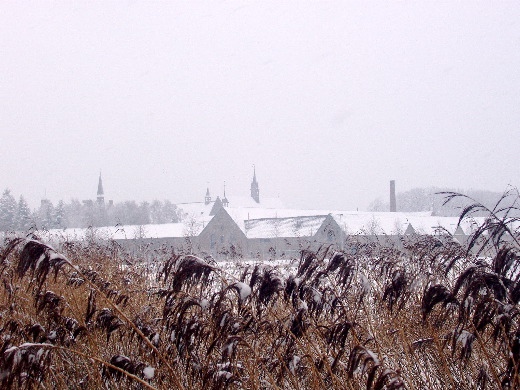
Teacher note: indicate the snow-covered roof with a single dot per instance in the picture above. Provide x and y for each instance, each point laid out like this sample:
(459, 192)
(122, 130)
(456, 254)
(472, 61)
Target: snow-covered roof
(195, 209)
(264, 222)
(397, 223)
(303, 226)
(167, 230)
(182, 229)
(201, 211)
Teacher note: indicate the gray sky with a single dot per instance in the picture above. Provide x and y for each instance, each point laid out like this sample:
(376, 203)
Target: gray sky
(330, 100)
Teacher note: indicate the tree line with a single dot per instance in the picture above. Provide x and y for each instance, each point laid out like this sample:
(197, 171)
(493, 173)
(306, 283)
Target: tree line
(17, 215)
(432, 199)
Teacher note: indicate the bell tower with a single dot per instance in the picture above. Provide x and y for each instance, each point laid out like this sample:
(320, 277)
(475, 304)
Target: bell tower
(225, 201)
(255, 190)
(207, 199)
(100, 193)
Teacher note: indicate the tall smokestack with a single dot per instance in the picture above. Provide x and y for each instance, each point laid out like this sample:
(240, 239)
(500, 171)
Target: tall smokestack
(393, 206)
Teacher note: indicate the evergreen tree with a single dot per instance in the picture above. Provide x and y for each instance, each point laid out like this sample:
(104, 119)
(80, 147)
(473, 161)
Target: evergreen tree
(156, 212)
(170, 212)
(73, 214)
(59, 215)
(23, 215)
(88, 214)
(46, 214)
(7, 211)
(143, 214)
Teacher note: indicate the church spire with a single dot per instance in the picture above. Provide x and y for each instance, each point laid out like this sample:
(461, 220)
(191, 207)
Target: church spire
(100, 192)
(207, 199)
(225, 201)
(255, 190)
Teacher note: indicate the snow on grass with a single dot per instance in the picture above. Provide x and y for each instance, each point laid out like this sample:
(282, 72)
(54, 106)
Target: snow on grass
(243, 289)
(148, 372)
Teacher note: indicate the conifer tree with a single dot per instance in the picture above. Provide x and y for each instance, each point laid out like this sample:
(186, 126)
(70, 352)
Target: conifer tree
(7, 211)
(46, 214)
(73, 214)
(59, 215)
(23, 215)
(156, 214)
(170, 212)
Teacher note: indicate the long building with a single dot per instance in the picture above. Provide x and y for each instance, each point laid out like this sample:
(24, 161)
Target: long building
(260, 227)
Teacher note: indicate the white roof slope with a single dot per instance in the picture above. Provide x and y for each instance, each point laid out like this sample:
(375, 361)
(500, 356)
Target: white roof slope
(258, 222)
(360, 222)
(195, 209)
(397, 223)
(167, 230)
(201, 211)
(283, 227)
(159, 231)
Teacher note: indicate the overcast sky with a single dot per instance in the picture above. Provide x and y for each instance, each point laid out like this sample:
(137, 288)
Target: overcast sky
(330, 100)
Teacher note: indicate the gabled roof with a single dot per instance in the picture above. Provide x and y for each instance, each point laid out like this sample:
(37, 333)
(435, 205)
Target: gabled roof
(196, 209)
(409, 229)
(459, 231)
(269, 207)
(219, 220)
(303, 226)
(399, 223)
(217, 205)
(166, 230)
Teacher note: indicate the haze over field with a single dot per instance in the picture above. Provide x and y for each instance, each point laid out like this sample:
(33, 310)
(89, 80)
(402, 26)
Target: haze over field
(329, 100)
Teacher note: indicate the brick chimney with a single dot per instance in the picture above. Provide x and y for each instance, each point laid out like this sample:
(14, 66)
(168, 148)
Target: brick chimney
(393, 206)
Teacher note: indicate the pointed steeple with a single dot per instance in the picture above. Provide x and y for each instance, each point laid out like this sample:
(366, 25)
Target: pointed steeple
(225, 201)
(255, 190)
(207, 199)
(100, 193)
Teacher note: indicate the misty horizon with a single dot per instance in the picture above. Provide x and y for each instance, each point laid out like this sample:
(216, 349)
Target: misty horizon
(330, 101)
